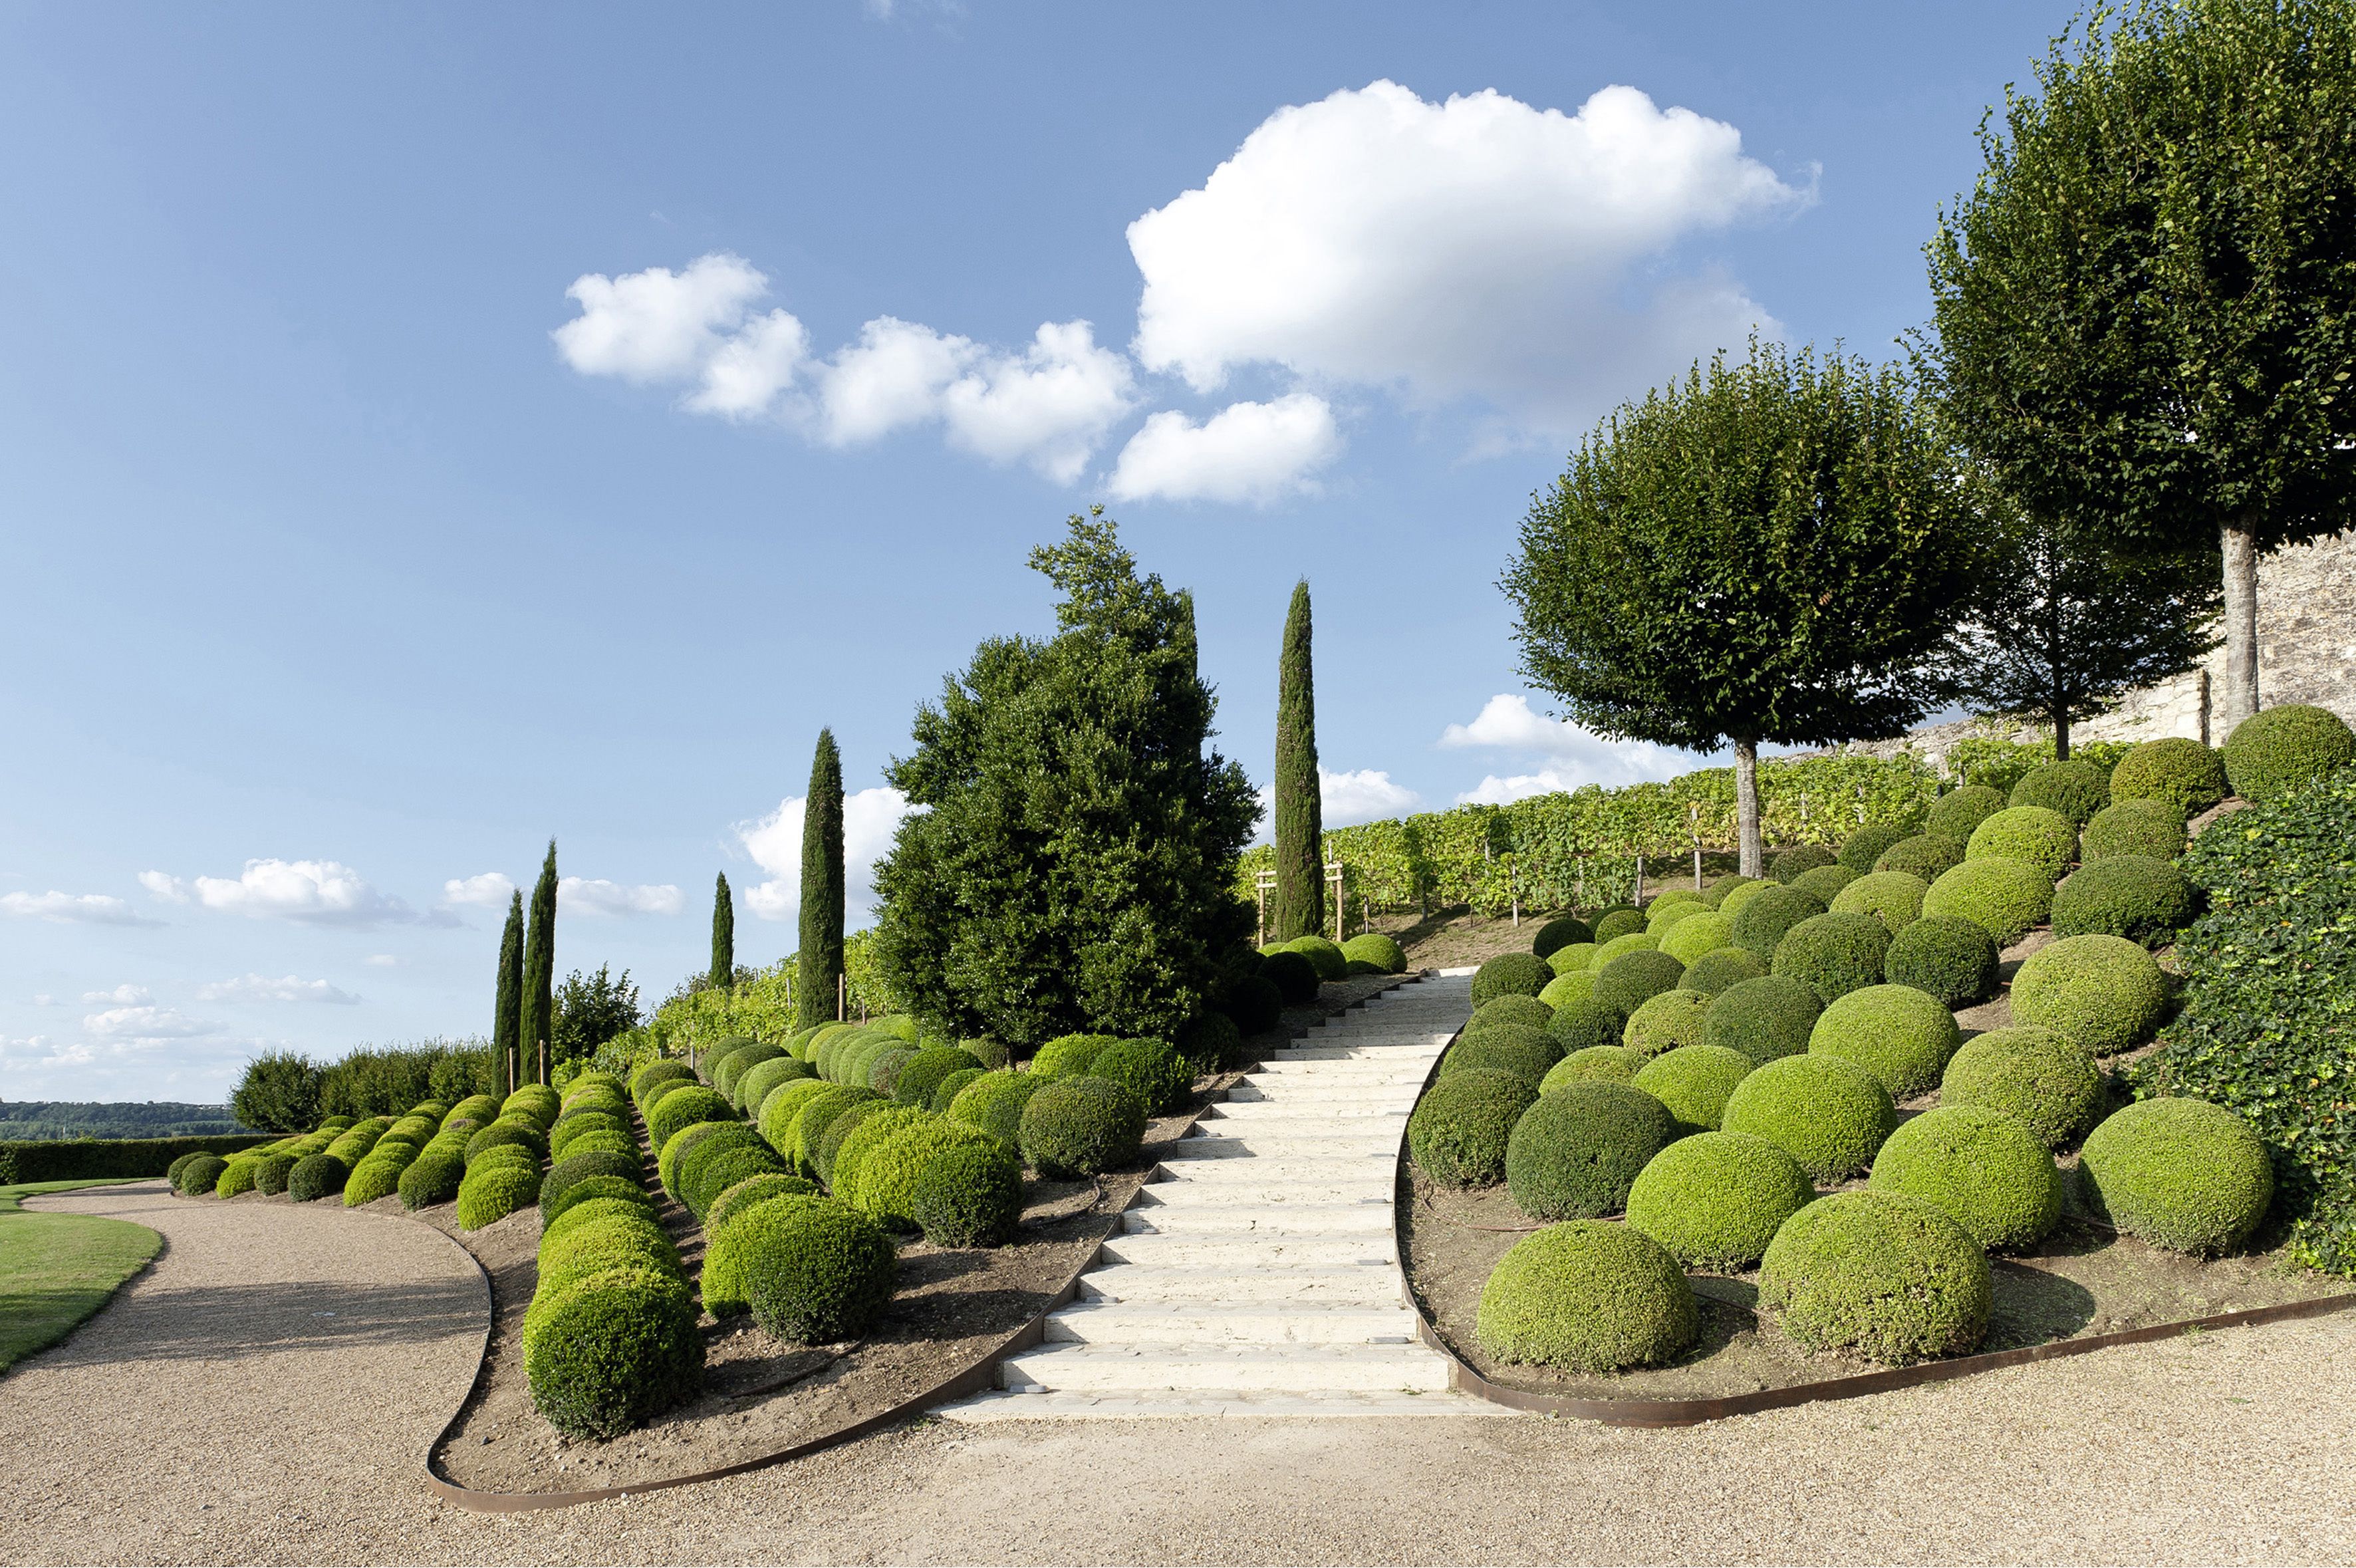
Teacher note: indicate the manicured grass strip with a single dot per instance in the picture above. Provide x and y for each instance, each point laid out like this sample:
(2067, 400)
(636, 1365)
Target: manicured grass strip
(58, 1269)
(10, 1195)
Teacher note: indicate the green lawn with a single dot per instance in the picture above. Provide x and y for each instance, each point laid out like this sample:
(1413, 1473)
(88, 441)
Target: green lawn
(58, 1269)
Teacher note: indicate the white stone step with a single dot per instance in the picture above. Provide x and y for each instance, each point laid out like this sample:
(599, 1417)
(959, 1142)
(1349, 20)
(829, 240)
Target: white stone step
(1171, 1406)
(1371, 1167)
(1226, 1370)
(1342, 1051)
(1300, 1111)
(1278, 1091)
(1230, 1323)
(1295, 1219)
(1351, 1284)
(1254, 1252)
(1275, 1191)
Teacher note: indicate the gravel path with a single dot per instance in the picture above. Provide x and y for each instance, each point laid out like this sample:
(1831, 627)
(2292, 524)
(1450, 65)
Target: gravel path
(2222, 1447)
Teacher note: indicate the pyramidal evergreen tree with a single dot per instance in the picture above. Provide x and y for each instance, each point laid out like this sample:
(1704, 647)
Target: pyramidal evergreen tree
(819, 965)
(723, 936)
(506, 1012)
(1300, 819)
(539, 968)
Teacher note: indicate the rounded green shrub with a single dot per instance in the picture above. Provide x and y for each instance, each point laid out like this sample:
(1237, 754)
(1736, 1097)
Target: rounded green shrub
(1765, 1017)
(1618, 921)
(1081, 1127)
(1791, 865)
(2104, 993)
(237, 1180)
(1557, 933)
(811, 1270)
(1585, 1021)
(431, 1179)
(593, 1189)
(682, 1142)
(615, 1200)
(2185, 1175)
(993, 1054)
(753, 1189)
(1587, 1296)
(995, 1105)
(490, 1193)
(2178, 772)
(1826, 882)
(1149, 1068)
(762, 1079)
(1829, 1114)
(1673, 895)
(2077, 789)
(729, 1072)
(1716, 1199)
(683, 1109)
(564, 1173)
(1068, 1055)
(201, 1174)
(945, 1093)
(372, 1178)
(507, 1132)
(643, 1081)
(855, 1135)
(561, 1137)
(884, 1070)
(1381, 952)
(1865, 846)
(722, 1282)
(1833, 955)
(1573, 957)
(2146, 901)
(1981, 1166)
(596, 1143)
(1927, 856)
(1325, 956)
(1893, 1278)
(319, 1175)
(2277, 751)
(1621, 946)
(1565, 989)
(2152, 828)
(1526, 1012)
(619, 1348)
(968, 1194)
(1721, 969)
(1593, 1063)
(1901, 1036)
(884, 1188)
(2038, 836)
(1714, 895)
(1210, 1042)
(270, 1171)
(1294, 977)
(1942, 956)
(1693, 1082)
(715, 1167)
(919, 1077)
(1696, 936)
(536, 1101)
(509, 1156)
(1511, 975)
(1730, 903)
(180, 1163)
(1573, 1153)
(2030, 1074)
(1768, 915)
(338, 1124)
(586, 1246)
(2006, 899)
(781, 1113)
(1957, 813)
(1892, 897)
(1460, 1128)
(1667, 1021)
(1629, 981)
(1665, 913)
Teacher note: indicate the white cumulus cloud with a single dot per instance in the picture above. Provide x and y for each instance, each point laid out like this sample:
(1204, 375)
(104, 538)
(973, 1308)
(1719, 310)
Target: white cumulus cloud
(286, 988)
(870, 818)
(696, 325)
(1364, 795)
(311, 892)
(1574, 757)
(596, 895)
(1478, 247)
(1248, 452)
(145, 1024)
(71, 909)
(122, 997)
(486, 890)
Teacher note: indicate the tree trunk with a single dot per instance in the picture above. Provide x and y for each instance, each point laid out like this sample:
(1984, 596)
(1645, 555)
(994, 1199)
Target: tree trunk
(2062, 736)
(2240, 551)
(1753, 859)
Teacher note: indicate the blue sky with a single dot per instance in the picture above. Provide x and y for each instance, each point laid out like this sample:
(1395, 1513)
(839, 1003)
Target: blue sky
(424, 429)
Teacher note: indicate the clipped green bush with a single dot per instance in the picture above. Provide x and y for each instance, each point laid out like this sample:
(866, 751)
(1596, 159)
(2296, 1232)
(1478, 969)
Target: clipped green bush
(1460, 1128)
(684, 1108)
(1829, 1114)
(1210, 1042)
(812, 1270)
(1618, 921)
(1942, 956)
(968, 1194)
(1081, 1127)
(1629, 981)
(237, 1180)
(2104, 993)
(315, 1176)
(2076, 789)
(2152, 828)
(995, 1105)
(1593, 1063)
(1526, 1012)
(1721, 969)
(781, 1113)
(1503, 1048)
(491, 1192)
(1714, 895)
(561, 1137)
(1587, 1296)
(2037, 836)
(1511, 975)
(1151, 1069)
(680, 1143)
(1901, 1036)
(1716, 1199)
(1572, 959)
(1865, 846)
(1927, 856)
(1696, 936)
(1620, 946)
(716, 1167)
(593, 1189)
(200, 1176)
(180, 1163)
(2006, 899)
(1665, 913)
(1894, 1278)
(431, 1179)
(1694, 1081)
(855, 1135)
(1294, 977)
(2146, 900)
(723, 1282)
(1585, 1021)
(270, 1171)
(1731, 902)
(613, 1202)
(564, 1173)
(764, 1079)
(1558, 932)
(1572, 1154)
(1565, 989)
(1765, 1017)
(507, 1132)
(619, 1348)
(884, 1072)
(1791, 865)
(1768, 915)
(945, 1093)
(1826, 882)
(2179, 772)
(1833, 955)
(1892, 897)
(1666, 1021)
(920, 1077)
(1382, 953)
(1960, 811)
(1982, 1166)
(643, 1083)
(2031, 1074)
(753, 1189)
(883, 1188)
(2276, 752)
(2179, 1174)
(624, 1236)
(1324, 955)
(729, 1072)
(1068, 1055)
(992, 1054)
(372, 1178)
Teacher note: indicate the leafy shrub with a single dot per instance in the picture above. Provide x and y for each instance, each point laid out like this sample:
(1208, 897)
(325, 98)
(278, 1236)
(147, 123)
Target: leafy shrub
(482, 1110)
(200, 1176)
(431, 1179)
(593, 1189)
(1865, 846)
(1573, 1153)
(1593, 1063)
(1081, 1127)
(235, 1181)
(2178, 772)
(372, 1178)
(762, 1079)
(315, 1176)
(2038, 836)
(1764, 918)
(729, 1072)
(564, 1173)
(1070, 1054)
(1980, 1165)
(2146, 901)
(2104, 993)
(781, 1113)
(992, 1054)
(741, 1195)
(1294, 977)
(1730, 903)
(1572, 959)
(1558, 932)
(1525, 1012)
(491, 1192)
(968, 1194)
(1714, 895)
(1901, 1036)
(507, 1132)
(1693, 1082)
(810, 1270)
(1210, 1043)
(615, 1200)
(2074, 788)
(180, 1163)
(2152, 828)
(884, 1070)
(1894, 1278)
(1382, 952)
(995, 1105)
(1716, 1199)
(1829, 1114)
(627, 1236)
(1151, 1069)
(561, 1137)
(1629, 981)
(270, 1171)
(854, 1140)
(717, 1166)
(1511, 975)
(1721, 969)
(683, 1109)
(1833, 955)
(885, 1186)
(2030, 1074)
(507, 1157)
(1764, 1018)
(617, 1349)
(1458, 1130)
(1696, 936)
(919, 1077)
(2280, 750)
(1665, 913)
(1792, 863)
(677, 1147)
(1326, 955)
(1952, 959)
(2179, 1174)
(1620, 920)
(946, 1092)
(1892, 897)
(1585, 1021)
(1565, 989)
(2005, 897)
(1620, 946)
(1926, 855)
(1826, 882)
(1587, 1296)
(1667, 1021)
(1959, 811)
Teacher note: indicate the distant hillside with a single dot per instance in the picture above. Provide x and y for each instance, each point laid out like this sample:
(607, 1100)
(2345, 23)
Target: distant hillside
(33, 1121)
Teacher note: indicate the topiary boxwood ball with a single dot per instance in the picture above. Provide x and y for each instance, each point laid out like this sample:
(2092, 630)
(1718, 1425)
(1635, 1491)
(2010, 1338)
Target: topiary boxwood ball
(643, 1081)
(1901, 1036)
(431, 1179)
(1764, 918)
(1587, 1296)
(1573, 1153)
(993, 1054)
(968, 1194)
(374, 1178)
(1618, 921)
(492, 1192)
(2146, 901)
(1926, 855)
(729, 1072)
(884, 1188)
(753, 1189)
(1585, 1021)
(201, 1174)
(1326, 955)
(1826, 882)
(315, 1176)
(1696, 936)
(1460, 1129)
(1151, 1069)
(1952, 959)
(1829, 1114)
(1956, 813)
(1896, 1279)
(919, 1077)
(239, 1179)
(2032, 1075)
(716, 1166)
(1593, 1063)
(630, 1217)
(564, 1173)
(884, 1070)
(2152, 828)
(1383, 953)
(1714, 895)
(2179, 772)
(2005, 897)
(2077, 789)
(857, 1133)
(1764, 1018)
(171, 1172)
(2272, 754)
(620, 1347)
(764, 1079)
(2039, 835)
(1666, 1021)
(1694, 1081)
(1294, 977)
(270, 1171)
(811, 1270)
(2104, 993)
(1892, 897)
(594, 1189)
(1565, 989)
(507, 1132)
(1788, 866)
(1865, 846)
(1716, 1199)
(1210, 1043)
(1511, 975)
(995, 1103)
(1980, 1165)
(1666, 912)
(945, 1093)
(683, 1107)
(668, 1157)
(561, 1137)
(781, 1113)
(1621, 946)
(1833, 955)
(1503, 1048)
(1560, 932)
(1081, 1127)
(1633, 979)
(2180, 1174)
(1721, 969)
(1572, 959)
(1528, 1011)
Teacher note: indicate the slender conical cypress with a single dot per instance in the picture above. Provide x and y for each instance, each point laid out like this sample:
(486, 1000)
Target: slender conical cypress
(822, 950)
(723, 936)
(507, 1013)
(539, 968)
(1300, 901)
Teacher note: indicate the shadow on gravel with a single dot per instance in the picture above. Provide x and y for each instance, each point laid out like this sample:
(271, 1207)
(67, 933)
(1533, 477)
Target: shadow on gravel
(218, 1323)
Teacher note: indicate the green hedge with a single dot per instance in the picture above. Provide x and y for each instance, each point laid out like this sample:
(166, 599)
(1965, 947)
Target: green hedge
(1587, 1296)
(1901, 1036)
(92, 1159)
(1460, 1128)
(2033, 1075)
(1694, 1082)
(2181, 772)
(2136, 897)
(2180, 1174)
(2104, 993)
(1952, 959)
(2272, 754)
(1830, 1115)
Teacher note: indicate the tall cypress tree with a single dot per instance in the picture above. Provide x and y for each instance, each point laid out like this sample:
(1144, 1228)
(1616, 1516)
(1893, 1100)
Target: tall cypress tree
(539, 967)
(1299, 817)
(506, 1012)
(723, 936)
(821, 968)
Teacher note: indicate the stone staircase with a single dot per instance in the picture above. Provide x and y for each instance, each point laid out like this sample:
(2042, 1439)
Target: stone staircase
(1258, 1273)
